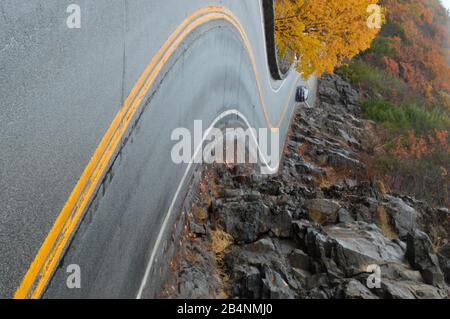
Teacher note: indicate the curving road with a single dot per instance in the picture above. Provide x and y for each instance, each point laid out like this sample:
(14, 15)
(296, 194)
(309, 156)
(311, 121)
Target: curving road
(86, 116)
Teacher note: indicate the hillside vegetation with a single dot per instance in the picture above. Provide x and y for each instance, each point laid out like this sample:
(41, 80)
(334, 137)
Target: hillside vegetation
(402, 72)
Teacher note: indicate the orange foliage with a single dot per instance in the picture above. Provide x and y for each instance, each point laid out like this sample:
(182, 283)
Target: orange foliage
(413, 146)
(392, 66)
(417, 30)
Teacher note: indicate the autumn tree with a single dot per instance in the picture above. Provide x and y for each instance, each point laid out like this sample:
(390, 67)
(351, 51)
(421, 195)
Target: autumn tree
(417, 31)
(404, 81)
(324, 34)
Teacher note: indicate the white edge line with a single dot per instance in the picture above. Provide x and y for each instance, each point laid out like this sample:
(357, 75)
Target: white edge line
(177, 193)
(221, 116)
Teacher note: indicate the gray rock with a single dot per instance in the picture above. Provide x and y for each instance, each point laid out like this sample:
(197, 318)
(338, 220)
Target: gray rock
(445, 266)
(300, 231)
(340, 160)
(275, 287)
(363, 213)
(351, 183)
(351, 248)
(353, 289)
(444, 261)
(420, 255)
(404, 217)
(196, 228)
(251, 254)
(350, 140)
(344, 216)
(282, 224)
(400, 272)
(253, 196)
(328, 93)
(264, 245)
(409, 290)
(322, 211)
(284, 246)
(298, 259)
(287, 240)
(320, 280)
(198, 280)
(309, 168)
(245, 222)
(319, 293)
(248, 282)
(394, 290)
(359, 247)
(232, 193)
(433, 276)
(321, 249)
(301, 275)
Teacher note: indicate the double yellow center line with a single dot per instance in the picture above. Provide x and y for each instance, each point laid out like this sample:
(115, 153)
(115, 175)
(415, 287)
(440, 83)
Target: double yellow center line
(49, 255)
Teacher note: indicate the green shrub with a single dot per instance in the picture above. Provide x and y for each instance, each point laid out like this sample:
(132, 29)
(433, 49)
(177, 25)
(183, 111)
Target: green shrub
(392, 29)
(386, 113)
(381, 48)
(372, 81)
(406, 116)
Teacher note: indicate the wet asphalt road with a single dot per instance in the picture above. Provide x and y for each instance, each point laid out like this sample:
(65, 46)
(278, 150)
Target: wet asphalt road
(60, 89)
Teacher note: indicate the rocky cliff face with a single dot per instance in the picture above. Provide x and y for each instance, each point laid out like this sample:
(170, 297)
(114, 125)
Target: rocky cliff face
(318, 229)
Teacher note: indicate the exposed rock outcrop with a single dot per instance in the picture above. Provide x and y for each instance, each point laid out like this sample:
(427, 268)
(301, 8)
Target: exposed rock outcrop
(318, 229)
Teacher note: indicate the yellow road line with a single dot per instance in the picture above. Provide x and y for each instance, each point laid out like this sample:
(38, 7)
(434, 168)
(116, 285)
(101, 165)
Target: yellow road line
(45, 262)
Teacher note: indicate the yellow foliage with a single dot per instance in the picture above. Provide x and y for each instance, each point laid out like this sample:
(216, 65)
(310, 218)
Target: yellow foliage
(381, 187)
(324, 34)
(220, 241)
(384, 223)
(444, 99)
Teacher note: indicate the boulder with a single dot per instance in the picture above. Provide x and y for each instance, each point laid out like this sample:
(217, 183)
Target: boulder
(245, 222)
(312, 230)
(409, 290)
(400, 272)
(301, 276)
(275, 287)
(231, 193)
(433, 276)
(264, 245)
(323, 211)
(300, 231)
(248, 282)
(349, 249)
(197, 280)
(353, 289)
(445, 266)
(344, 216)
(298, 259)
(282, 224)
(363, 213)
(420, 255)
(392, 290)
(444, 261)
(403, 216)
(196, 228)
